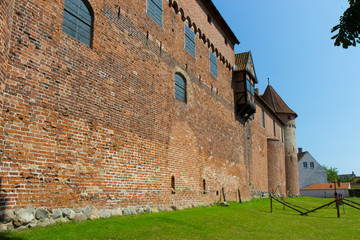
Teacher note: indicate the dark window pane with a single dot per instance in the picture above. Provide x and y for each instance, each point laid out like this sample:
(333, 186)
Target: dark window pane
(155, 10)
(213, 64)
(77, 21)
(190, 40)
(180, 88)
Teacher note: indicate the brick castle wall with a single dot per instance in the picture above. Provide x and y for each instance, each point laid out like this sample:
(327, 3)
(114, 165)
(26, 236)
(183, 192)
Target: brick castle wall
(100, 126)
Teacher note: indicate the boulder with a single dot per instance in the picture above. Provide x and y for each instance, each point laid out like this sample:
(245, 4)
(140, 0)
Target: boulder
(45, 222)
(104, 213)
(91, 213)
(10, 227)
(140, 210)
(57, 213)
(62, 220)
(126, 212)
(3, 227)
(69, 213)
(80, 217)
(41, 213)
(132, 210)
(6, 216)
(148, 209)
(154, 210)
(116, 212)
(23, 217)
(32, 224)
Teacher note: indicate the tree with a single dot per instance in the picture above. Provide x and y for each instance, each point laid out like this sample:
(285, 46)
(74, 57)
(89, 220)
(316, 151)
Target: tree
(349, 26)
(332, 174)
(347, 178)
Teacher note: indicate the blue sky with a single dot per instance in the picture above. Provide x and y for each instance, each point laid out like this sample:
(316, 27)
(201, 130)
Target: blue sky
(291, 44)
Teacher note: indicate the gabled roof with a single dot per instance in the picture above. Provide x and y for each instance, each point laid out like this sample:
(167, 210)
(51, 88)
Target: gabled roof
(273, 99)
(301, 155)
(244, 62)
(327, 186)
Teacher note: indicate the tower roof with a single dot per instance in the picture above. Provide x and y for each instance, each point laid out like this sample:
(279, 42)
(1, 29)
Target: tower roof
(244, 62)
(273, 99)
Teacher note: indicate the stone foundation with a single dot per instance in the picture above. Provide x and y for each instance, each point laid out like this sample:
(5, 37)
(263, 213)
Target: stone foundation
(31, 217)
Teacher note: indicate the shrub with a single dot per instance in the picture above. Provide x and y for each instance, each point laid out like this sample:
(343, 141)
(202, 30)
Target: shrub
(354, 192)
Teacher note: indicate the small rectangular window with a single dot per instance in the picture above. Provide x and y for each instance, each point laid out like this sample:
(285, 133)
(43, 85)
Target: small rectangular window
(263, 117)
(213, 64)
(312, 164)
(155, 11)
(274, 128)
(305, 164)
(189, 40)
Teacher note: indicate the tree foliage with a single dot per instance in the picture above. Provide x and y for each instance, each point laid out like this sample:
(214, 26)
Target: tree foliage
(347, 178)
(349, 26)
(332, 174)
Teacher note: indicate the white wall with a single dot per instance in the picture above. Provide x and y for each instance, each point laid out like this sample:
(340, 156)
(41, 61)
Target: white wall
(309, 176)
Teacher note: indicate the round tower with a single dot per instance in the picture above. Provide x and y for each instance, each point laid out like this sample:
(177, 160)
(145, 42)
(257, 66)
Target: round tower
(274, 174)
(287, 116)
(291, 161)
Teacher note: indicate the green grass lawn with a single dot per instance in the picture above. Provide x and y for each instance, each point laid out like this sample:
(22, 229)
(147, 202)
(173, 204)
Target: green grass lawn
(250, 220)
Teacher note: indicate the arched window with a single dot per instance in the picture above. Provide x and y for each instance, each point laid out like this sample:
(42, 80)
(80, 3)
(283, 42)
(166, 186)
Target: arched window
(180, 87)
(78, 20)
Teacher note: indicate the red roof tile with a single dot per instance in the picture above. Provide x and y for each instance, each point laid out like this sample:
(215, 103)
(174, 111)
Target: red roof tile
(278, 105)
(300, 155)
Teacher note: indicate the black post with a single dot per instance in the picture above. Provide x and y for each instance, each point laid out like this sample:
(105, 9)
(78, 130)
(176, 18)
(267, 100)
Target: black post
(239, 196)
(223, 191)
(337, 205)
(270, 203)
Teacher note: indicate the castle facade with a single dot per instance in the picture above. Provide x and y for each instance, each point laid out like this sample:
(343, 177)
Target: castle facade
(134, 103)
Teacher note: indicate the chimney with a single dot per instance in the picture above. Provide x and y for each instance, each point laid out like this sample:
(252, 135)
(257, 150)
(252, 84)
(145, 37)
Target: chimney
(299, 150)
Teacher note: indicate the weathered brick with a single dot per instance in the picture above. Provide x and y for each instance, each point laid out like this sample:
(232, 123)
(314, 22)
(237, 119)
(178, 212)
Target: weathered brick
(100, 125)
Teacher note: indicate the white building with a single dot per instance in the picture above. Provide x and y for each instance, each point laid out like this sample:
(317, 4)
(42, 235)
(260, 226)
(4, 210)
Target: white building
(310, 171)
(325, 190)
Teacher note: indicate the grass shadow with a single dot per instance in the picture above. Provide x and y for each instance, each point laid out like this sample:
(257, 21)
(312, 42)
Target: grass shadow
(6, 236)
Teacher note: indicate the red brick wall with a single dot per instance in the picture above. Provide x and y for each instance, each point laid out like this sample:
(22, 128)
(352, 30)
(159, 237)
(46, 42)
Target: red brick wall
(6, 12)
(101, 126)
(267, 160)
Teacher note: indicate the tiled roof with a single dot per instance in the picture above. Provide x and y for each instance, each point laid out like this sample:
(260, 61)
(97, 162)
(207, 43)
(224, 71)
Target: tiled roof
(327, 186)
(278, 105)
(241, 60)
(244, 62)
(300, 155)
(355, 179)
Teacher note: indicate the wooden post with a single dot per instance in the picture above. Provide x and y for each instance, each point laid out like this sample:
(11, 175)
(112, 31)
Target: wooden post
(239, 196)
(337, 205)
(283, 199)
(223, 192)
(270, 203)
